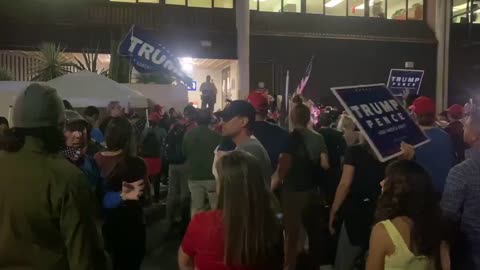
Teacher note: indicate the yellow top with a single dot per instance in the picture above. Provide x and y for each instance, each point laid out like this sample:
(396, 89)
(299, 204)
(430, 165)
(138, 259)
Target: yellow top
(403, 258)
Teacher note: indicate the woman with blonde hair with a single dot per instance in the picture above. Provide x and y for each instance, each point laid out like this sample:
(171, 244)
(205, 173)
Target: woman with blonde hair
(347, 126)
(244, 233)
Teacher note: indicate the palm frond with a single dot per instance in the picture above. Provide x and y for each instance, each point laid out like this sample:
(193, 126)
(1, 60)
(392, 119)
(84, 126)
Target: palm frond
(90, 60)
(5, 75)
(86, 57)
(105, 72)
(52, 62)
(95, 58)
(78, 64)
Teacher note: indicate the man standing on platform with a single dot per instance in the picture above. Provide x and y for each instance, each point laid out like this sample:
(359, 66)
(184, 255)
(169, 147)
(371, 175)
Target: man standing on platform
(209, 94)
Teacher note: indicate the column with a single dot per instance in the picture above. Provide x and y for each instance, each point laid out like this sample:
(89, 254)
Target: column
(243, 47)
(442, 32)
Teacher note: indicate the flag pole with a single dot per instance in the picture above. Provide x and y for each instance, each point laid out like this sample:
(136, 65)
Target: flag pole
(287, 82)
(287, 85)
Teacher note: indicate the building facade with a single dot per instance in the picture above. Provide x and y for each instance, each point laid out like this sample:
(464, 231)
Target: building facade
(353, 41)
(464, 65)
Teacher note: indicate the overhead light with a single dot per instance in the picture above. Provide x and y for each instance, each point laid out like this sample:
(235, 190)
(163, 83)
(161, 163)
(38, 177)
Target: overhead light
(333, 3)
(186, 63)
(460, 7)
(187, 60)
(187, 67)
(362, 6)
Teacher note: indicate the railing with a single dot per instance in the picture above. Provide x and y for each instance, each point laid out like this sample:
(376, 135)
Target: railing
(22, 65)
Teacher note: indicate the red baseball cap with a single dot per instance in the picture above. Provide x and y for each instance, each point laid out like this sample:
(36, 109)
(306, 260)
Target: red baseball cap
(423, 105)
(259, 101)
(155, 117)
(456, 111)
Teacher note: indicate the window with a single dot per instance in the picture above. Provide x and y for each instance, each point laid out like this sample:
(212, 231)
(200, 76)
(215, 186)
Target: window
(200, 3)
(271, 5)
(397, 9)
(176, 2)
(223, 3)
(377, 8)
(415, 9)
(315, 6)
(253, 5)
(124, 1)
(459, 9)
(336, 7)
(148, 1)
(356, 8)
(292, 6)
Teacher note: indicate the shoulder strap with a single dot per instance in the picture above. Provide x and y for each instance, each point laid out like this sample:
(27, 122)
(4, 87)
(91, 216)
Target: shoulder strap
(395, 235)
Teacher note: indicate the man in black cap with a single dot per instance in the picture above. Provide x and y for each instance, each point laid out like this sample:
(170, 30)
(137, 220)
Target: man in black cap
(238, 119)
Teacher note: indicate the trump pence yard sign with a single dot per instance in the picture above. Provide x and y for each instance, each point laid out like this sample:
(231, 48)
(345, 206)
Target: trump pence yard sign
(383, 121)
(401, 80)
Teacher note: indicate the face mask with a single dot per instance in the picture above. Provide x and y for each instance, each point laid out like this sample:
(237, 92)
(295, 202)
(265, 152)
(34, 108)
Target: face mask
(73, 154)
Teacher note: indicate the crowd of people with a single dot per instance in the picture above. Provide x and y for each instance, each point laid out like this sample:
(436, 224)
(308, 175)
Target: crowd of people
(245, 192)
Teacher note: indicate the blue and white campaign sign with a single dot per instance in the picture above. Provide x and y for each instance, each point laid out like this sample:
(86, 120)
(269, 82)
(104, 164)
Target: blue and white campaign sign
(383, 121)
(193, 86)
(150, 55)
(401, 80)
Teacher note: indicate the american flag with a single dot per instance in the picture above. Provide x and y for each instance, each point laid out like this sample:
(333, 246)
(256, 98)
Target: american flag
(306, 76)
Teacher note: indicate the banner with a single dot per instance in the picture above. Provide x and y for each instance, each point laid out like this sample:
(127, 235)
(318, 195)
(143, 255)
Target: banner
(382, 120)
(401, 80)
(149, 55)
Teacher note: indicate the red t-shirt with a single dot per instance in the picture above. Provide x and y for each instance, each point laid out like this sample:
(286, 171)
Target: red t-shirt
(204, 242)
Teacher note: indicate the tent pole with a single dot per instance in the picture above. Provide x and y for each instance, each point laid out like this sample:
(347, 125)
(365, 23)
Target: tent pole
(10, 115)
(146, 114)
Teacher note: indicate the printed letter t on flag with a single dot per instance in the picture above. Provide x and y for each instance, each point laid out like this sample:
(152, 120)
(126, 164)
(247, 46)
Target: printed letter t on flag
(306, 77)
(149, 55)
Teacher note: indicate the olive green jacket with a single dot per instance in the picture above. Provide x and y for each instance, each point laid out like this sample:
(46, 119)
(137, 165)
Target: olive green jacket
(47, 213)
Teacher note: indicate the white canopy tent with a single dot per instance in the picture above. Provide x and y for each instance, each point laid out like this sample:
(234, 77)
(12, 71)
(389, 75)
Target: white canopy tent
(9, 90)
(85, 88)
(167, 95)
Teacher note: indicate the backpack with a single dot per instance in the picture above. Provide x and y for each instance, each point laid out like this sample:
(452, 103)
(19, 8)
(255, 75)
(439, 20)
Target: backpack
(173, 144)
(150, 146)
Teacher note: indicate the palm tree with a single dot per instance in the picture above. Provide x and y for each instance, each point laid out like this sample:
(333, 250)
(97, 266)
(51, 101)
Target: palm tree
(5, 75)
(89, 62)
(52, 62)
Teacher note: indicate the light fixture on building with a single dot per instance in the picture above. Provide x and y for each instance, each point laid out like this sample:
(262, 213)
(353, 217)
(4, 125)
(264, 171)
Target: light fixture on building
(187, 63)
(409, 65)
(205, 43)
(333, 3)
(459, 7)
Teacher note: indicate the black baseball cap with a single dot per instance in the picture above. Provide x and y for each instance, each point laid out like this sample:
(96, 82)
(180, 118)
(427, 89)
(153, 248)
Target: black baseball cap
(238, 108)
